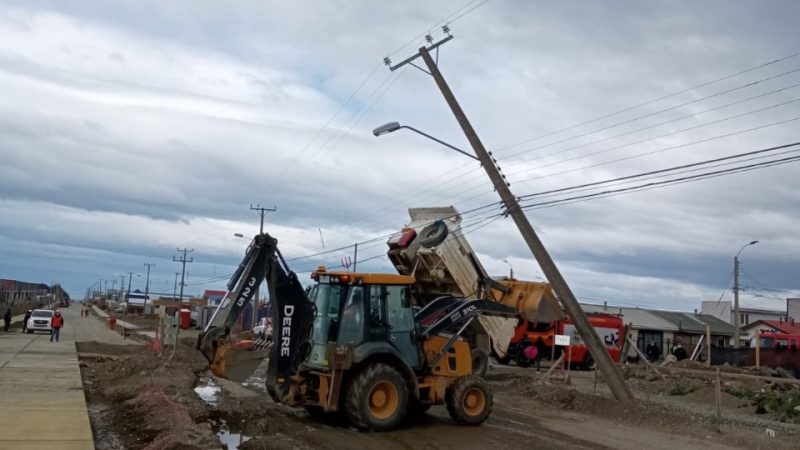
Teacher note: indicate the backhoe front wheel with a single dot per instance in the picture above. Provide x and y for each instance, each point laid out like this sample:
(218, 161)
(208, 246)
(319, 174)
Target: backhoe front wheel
(469, 400)
(377, 398)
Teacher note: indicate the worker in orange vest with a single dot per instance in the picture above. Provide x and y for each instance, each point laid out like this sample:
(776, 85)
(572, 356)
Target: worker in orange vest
(55, 326)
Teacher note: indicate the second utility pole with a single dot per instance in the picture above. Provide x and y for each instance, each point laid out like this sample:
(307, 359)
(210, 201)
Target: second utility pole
(147, 288)
(183, 260)
(611, 373)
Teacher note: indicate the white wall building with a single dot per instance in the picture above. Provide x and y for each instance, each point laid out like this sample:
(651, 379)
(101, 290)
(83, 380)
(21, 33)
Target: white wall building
(747, 315)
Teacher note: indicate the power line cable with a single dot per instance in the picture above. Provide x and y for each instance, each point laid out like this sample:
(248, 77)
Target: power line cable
(673, 147)
(655, 100)
(666, 170)
(645, 140)
(463, 177)
(648, 127)
(651, 185)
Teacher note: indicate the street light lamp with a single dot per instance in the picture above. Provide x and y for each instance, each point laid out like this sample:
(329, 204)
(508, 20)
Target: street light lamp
(736, 318)
(391, 127)
(510, 269)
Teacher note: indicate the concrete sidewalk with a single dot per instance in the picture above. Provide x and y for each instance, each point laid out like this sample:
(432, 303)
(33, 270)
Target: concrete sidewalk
(120, 323)
(42, 405)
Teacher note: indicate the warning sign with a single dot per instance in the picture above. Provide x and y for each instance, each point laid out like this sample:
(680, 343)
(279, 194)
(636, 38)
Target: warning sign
(562, 340)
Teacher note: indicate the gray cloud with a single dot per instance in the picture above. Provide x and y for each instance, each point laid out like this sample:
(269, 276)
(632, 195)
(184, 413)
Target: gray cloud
(128, 129)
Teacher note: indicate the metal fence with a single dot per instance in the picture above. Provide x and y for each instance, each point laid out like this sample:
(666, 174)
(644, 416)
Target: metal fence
(788, 358)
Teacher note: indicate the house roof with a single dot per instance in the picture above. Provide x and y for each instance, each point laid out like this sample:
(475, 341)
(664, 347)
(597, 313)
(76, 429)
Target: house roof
(636, 317)
(696, 323)
(213, 293)
(780, 325)
(654, 319)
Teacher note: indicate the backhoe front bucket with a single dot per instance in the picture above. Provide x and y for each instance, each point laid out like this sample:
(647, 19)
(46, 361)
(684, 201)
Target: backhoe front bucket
(236, 362)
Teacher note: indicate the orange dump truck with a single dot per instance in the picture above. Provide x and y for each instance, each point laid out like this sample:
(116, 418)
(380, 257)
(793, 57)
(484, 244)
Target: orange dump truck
(610, 328)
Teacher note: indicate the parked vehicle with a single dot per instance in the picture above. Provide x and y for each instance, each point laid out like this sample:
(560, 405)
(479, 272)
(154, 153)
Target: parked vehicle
(263, 330)
(609, 327)
(778, 341)
(40, 320)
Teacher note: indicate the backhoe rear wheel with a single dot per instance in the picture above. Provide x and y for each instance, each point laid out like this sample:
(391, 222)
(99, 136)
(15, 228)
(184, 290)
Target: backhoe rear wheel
(469, 400)
(377, 398)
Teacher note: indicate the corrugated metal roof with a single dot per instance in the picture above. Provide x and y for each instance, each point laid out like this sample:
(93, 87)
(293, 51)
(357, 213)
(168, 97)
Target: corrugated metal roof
(637, 317)
(696, 323)
(655, 319)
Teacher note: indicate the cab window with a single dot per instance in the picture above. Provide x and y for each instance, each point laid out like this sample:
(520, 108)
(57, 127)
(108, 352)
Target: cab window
(398, 308)
(351, 328)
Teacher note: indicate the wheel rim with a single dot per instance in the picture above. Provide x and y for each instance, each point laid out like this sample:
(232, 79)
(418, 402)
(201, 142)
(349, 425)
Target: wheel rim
(383, 400)
(474, 401)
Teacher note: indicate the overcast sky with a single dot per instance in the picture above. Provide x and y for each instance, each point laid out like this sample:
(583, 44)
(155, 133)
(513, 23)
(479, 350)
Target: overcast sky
(129, 129)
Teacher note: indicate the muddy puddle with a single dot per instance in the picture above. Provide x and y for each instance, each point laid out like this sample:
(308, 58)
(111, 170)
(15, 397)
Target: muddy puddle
(207, 390)
(229, 437)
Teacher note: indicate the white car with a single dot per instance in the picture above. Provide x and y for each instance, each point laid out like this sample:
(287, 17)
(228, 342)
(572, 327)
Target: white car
(263, 330)
(40, 320)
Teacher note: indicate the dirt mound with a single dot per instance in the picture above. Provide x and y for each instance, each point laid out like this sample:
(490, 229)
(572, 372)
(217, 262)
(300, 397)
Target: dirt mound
(153, 397)
(101, 348)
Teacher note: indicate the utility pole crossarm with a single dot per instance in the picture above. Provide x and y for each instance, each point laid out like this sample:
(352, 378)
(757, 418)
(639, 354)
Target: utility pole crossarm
(410, 59)
(610, 371)
(262, 212)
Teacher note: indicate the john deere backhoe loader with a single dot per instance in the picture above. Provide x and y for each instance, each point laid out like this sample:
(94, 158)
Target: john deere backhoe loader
(359, 344)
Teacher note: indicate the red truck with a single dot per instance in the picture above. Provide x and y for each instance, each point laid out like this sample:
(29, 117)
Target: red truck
(542, 334)
(780, 341)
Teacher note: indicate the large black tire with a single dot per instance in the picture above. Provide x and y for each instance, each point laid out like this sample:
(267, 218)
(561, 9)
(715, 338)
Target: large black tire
(469, 400)
(480, 362)
(433, 235)
(588, 363)
(377, 398)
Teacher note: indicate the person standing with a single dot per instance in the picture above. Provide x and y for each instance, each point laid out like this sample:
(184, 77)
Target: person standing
(652, 351)
(25, 321)
(7, 319)
(55, 326)
(680, 353)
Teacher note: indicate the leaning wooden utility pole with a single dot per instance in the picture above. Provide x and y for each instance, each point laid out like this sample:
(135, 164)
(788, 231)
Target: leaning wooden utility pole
(610, 371)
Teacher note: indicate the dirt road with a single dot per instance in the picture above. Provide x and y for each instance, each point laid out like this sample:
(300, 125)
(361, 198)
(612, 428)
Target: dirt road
(141, 400)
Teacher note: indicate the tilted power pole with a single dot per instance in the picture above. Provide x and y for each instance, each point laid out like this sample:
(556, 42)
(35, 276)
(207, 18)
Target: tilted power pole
(612, 373)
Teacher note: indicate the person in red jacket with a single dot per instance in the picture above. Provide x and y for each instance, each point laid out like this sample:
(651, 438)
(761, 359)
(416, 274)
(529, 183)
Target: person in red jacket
(55, 326)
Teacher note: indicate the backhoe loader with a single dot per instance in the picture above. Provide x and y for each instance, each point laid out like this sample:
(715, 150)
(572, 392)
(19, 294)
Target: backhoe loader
(359, 344)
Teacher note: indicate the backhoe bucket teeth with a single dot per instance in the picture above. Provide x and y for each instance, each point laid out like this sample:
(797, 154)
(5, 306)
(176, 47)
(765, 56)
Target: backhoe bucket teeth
(236, 362)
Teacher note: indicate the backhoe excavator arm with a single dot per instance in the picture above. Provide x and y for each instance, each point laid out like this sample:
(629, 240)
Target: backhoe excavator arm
(292, 316)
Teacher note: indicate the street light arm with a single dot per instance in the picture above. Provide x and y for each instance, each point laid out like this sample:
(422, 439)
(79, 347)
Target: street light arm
(439, 141)
(745, 246)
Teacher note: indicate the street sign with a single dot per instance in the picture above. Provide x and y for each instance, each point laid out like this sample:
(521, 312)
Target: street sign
(562, 340)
